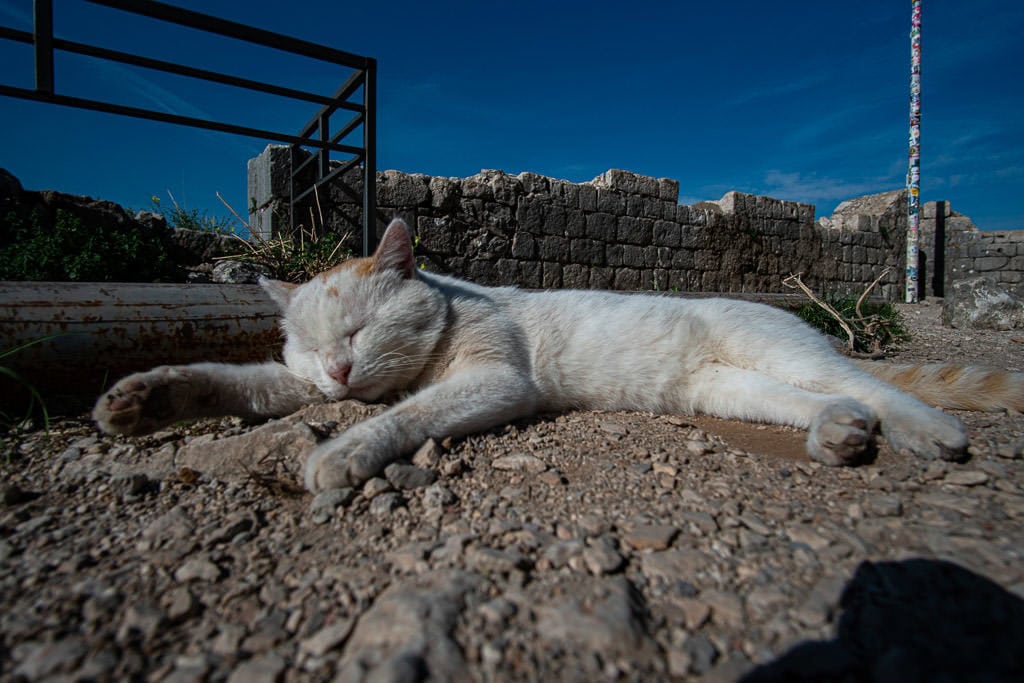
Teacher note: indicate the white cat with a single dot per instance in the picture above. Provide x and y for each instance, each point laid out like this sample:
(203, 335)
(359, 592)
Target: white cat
(459, 358)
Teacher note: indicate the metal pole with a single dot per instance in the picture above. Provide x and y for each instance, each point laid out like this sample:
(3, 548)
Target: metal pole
(370, 160)
(914, 166)
(43, 38)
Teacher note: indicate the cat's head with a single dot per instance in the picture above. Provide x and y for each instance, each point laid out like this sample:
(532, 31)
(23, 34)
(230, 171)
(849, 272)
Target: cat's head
(365, 328)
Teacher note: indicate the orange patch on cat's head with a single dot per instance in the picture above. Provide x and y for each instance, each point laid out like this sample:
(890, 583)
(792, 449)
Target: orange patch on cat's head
(360, 266)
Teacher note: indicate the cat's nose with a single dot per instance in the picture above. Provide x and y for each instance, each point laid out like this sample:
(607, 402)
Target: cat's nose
(339, 373)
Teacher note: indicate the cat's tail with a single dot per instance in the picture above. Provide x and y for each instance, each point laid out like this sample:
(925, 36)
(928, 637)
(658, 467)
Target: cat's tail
(953, 386)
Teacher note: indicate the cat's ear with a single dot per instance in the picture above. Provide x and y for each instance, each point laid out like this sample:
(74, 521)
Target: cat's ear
(395, 250)
(280, 292)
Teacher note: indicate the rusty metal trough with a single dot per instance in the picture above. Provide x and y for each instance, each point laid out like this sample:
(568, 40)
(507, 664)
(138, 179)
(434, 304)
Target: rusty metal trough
(102, 331)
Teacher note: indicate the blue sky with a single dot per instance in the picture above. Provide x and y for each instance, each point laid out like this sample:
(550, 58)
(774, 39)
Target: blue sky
(805, 101)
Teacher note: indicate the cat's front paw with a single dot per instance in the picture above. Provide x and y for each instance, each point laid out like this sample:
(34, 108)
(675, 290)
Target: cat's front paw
(143, 402)
(842, 434)
(350, 459)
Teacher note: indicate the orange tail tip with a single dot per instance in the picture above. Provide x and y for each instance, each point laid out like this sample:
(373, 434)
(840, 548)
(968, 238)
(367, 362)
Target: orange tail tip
(955, 387)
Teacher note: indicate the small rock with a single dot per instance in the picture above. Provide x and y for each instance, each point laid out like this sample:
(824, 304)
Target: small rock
(46, 658)
(807, 535)
(702, 653)
(497, 611)
(143, 621)
(519, 462)
(613, 428)
(262, 669)
(650, 536)
(128, 486)
(407, 477)
(966, 478)
(180, 604)
(726, 608)
(327, 638)
(376, 486)
(1011, 451)
(197, 569)
(385, 504)
(493, 561)
(437, 496)
(428, 455)
(325, 503)
(884, 506)
(228, 642)
(602, 557)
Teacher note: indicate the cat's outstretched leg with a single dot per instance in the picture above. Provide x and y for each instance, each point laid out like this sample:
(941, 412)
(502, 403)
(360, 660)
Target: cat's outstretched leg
(147, 401)
(470, 400)
(840, 429)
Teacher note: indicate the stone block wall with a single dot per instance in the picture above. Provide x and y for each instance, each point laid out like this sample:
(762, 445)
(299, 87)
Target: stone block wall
(995, 255)
(625, 231)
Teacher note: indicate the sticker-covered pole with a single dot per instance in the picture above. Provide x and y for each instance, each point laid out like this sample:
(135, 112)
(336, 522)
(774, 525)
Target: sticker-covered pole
(914, 166)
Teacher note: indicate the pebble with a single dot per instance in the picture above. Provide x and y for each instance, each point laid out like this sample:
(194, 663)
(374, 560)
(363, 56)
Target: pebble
(519, 462)
(324, 504)
(327, 638)
(1011, 451)
(702, 653)
(375, 486)
(197, 569)
(884, 506)
(408, 477)
(602, 557)
(650, 536)
(386, 503)
(428, 455)
(437, 496)
(265, 668)
(966, 478)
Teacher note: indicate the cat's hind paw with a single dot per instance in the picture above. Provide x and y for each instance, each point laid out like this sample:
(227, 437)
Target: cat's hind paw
(842, 434)
(936, 436)
(351, 459)
(143, 402)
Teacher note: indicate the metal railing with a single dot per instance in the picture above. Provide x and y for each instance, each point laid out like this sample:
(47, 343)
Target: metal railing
(315, 134)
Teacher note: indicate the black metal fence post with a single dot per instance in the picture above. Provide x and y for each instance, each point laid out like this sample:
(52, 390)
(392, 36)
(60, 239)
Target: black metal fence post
(42, 27)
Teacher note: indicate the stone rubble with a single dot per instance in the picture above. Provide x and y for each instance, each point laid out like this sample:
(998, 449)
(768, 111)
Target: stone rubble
(580, 547)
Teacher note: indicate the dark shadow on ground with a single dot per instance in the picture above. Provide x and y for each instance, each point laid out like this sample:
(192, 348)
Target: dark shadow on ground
(913, 621)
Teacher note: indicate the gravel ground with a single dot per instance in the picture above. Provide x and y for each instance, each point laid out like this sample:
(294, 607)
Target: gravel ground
(581, 547)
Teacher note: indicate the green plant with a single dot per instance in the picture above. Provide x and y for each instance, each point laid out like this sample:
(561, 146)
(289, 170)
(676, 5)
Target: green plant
(9, 422)
(296, 254)
(868, 327)
(72, 249)
(181, 218)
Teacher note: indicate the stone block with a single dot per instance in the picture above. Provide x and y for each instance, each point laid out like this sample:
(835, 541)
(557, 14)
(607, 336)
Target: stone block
(575, 223)
(554, 220)
(611, 202)
(626, 279)
(601, 226)
(445, 193)
(553, 248)
(524, 246)
(586, 251)
(667, 234)
(601, 278)
(530, 215)
(588, 198)
(576, 276)
(551, 275)
(987, 263)
(634, 256)
(402, 190)
(530, 274)
(507, 271)
(668, 189)
(614, 255)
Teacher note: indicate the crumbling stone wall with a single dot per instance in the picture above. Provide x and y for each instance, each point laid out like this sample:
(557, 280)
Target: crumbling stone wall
(625, 231)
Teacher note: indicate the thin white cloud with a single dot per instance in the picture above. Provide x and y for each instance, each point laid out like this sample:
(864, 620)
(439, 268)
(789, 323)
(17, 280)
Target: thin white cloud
(813, 188)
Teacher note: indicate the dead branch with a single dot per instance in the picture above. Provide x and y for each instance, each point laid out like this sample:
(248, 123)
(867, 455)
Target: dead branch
(794, 282)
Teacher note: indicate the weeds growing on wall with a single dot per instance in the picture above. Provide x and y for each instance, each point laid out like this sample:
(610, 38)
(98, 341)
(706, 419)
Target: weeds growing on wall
(182, 218)
(78, 251)
(295, 254)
